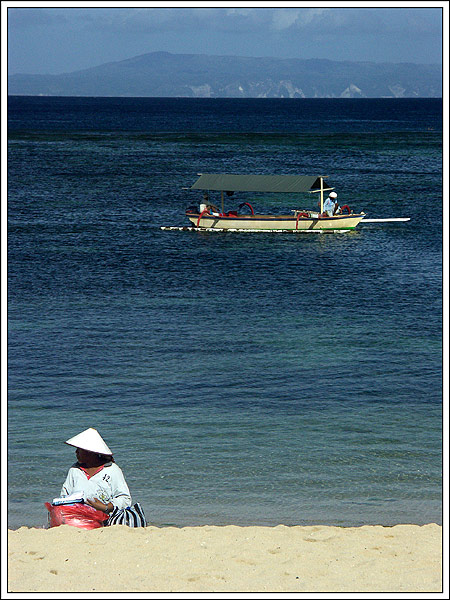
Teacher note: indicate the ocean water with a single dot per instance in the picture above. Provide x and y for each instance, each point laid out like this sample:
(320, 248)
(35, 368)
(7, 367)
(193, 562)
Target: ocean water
(248, 379)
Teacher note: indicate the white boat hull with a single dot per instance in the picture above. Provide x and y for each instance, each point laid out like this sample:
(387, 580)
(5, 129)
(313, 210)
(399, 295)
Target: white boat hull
(275, 223)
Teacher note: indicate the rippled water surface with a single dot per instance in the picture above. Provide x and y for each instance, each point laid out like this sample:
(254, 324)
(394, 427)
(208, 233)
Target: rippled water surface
(239, 378)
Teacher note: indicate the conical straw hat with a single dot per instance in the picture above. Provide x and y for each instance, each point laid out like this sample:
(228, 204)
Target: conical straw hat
(90, 440)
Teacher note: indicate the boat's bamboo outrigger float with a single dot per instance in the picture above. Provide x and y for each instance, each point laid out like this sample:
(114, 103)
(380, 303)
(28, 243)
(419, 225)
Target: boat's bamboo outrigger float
(208, 217)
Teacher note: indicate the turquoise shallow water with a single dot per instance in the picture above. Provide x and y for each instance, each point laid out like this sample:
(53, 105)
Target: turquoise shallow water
(247, 379)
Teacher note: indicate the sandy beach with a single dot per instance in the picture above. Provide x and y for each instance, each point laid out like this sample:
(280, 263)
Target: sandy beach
(403, 558)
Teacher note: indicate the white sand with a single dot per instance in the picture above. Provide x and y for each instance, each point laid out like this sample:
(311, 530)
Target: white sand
(404, 558)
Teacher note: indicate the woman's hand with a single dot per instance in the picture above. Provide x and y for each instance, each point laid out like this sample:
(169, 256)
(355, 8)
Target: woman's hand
(99, 505)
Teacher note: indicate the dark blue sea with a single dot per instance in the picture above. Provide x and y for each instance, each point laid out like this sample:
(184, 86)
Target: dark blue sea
(248, 379)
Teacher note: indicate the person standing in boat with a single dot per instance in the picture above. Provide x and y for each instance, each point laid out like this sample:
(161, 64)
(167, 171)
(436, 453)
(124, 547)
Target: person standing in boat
(330, 205)
(95, 474)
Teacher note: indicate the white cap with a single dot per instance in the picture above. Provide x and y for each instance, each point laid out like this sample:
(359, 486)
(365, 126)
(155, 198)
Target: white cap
(90, 440)
(333, 195)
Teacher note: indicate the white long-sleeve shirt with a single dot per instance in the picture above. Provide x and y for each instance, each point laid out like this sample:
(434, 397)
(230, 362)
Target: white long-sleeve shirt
(329, 206)
(108, 485)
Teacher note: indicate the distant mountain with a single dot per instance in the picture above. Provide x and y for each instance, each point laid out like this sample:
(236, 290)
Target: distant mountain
(198, 75)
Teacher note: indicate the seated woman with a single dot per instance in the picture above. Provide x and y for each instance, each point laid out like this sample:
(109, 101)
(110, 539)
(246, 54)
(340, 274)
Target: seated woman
(96, 474)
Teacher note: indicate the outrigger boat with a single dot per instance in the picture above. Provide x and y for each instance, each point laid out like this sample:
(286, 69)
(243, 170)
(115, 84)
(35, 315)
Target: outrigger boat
(208, 216)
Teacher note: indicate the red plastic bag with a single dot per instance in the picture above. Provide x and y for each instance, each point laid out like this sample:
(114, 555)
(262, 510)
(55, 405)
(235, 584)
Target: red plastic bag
(76, 515)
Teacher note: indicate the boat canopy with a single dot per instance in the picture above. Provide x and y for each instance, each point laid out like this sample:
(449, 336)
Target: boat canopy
(259, 183)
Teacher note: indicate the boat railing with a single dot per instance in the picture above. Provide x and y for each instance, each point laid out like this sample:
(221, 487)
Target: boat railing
(312, 214)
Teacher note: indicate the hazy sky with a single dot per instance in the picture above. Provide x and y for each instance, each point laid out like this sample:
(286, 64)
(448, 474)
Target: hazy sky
(78, 35)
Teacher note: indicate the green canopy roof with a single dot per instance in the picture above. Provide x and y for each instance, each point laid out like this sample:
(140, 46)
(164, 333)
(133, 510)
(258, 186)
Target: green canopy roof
(258, 183)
